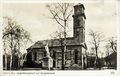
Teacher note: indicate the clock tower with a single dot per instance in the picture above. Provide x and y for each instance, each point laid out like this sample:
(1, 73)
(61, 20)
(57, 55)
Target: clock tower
(79, 23)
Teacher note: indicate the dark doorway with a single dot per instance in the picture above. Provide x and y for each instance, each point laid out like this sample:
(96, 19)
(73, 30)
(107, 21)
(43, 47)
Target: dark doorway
(54, 63)
(54, 57)
(76, 56)
(29, 56)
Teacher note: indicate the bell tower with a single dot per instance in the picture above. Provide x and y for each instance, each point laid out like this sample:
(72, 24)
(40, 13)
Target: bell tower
(79, 23)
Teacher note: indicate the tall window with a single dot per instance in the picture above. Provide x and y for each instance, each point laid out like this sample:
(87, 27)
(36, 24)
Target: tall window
(68, 55)
(35, 56)
(54, 54)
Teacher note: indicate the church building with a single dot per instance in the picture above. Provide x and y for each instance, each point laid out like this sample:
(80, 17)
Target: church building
(75, 49)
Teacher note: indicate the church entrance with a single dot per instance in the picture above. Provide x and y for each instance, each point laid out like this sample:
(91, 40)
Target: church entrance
(54, 58)
(54, 63)
(76, 56)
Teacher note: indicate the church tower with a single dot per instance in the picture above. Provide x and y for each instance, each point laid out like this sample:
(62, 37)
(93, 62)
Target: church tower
(79, 23)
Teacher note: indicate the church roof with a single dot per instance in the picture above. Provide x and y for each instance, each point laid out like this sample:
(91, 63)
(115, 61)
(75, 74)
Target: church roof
(54, 43)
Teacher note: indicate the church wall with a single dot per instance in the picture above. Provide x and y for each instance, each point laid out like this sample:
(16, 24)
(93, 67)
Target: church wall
(70, 56)
(40, 53)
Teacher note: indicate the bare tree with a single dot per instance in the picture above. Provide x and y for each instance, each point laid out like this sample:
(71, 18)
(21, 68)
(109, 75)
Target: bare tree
(107, 55)
(111, 47)
(96, 39)
(61, 13)
(112, 43)
(14, 37)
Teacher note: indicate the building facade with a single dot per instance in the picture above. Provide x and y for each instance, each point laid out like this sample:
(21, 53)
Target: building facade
(74, 45)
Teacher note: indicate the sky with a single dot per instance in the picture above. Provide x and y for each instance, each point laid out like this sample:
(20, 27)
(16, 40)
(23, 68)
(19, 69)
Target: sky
(35, 18)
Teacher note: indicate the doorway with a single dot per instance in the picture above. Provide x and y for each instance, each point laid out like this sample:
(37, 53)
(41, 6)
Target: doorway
(76, 56)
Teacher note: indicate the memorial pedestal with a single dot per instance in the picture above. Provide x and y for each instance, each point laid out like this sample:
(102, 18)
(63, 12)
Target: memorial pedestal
(47, 63)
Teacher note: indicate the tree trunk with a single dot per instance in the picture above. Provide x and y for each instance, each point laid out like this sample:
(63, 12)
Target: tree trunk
(97, 60)
(11, 51)
(11, 62)
(65, 50)
(18, 54)
(5, 62)
(63, 59)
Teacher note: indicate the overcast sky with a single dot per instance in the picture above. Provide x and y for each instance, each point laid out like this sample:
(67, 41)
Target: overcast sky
(34, 17)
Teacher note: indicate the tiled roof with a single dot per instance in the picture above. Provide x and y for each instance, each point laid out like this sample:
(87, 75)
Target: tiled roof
(54, 43)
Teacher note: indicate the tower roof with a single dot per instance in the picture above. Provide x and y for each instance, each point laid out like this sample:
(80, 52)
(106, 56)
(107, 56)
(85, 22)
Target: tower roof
(79, 4)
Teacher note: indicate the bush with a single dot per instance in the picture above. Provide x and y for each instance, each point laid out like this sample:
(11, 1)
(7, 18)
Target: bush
(31, 64)
(75, 67)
